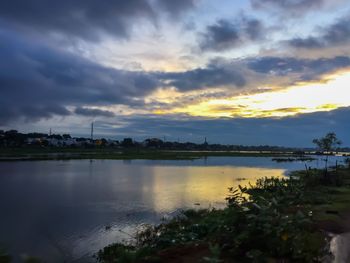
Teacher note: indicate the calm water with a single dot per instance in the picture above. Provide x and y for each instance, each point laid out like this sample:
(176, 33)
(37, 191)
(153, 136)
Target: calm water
(60, 209)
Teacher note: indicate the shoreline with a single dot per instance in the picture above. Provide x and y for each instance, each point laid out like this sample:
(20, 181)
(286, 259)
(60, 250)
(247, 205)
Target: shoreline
(117, 154)
(307, 210)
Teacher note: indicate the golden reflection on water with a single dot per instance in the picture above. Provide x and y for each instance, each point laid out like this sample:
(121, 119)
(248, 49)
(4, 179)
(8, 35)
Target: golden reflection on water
(174, 187)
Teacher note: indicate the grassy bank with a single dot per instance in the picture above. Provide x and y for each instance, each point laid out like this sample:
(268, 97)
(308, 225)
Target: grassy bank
(15, 154)
(277, 220)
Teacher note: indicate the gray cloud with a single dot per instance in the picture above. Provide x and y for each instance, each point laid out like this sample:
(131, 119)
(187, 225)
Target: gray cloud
(39, 81)
(30, 112)
(225, 34)
(252, 72)
(175, 8)
(290, 6)
(307, 69)
(200, 78)
(86, 19)
(254, 29)
(78, 18)
(93, 112)
(336, 34)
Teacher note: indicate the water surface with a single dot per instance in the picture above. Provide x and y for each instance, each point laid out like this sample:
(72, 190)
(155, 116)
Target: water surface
(67, 210)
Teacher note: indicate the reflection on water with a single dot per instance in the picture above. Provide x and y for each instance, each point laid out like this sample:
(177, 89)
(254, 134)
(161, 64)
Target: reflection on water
(176, 187)
(67, 210)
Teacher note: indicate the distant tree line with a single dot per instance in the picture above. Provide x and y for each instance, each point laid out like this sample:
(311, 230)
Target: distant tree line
(13, 138)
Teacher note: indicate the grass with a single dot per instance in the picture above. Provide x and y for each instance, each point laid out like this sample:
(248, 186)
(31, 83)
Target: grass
(277, 220)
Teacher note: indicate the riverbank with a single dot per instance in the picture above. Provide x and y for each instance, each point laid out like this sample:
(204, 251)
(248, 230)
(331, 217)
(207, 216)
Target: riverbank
(282, 220)
(33, 154)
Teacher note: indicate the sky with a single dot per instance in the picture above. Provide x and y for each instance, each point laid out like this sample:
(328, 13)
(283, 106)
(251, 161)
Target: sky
(248, 72)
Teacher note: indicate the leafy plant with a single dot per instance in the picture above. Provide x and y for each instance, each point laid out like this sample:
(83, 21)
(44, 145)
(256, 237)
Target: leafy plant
(123, 254)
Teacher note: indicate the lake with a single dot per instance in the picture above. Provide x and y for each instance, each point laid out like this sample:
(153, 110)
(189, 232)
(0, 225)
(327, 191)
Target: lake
(68, 210)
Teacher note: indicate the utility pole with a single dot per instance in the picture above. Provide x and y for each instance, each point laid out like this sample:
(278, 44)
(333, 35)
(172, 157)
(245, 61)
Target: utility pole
(50, 132)
(92, 131)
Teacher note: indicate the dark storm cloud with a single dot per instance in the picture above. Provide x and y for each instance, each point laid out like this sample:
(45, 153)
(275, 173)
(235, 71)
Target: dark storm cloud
(78, 18)
(288, 5)
(93, 112)
(298, 130)
(225, 34)
(200, 78)
(336, 34)
(86, 19)
(308, 69)
(36, 81)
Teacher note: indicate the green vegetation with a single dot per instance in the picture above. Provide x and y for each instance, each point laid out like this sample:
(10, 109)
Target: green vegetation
(277, 220)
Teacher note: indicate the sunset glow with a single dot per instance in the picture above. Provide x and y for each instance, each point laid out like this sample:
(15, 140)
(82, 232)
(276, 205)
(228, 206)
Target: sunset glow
(155, 68)
(329, 94)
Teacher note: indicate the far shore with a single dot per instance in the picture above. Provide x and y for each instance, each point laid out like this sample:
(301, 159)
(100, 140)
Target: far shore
(36, 154)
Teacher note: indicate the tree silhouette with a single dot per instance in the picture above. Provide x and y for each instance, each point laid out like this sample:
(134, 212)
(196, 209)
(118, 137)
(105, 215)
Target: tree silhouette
(327, 145)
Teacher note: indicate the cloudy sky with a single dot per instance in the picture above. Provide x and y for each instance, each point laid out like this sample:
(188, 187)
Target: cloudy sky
(239, 72)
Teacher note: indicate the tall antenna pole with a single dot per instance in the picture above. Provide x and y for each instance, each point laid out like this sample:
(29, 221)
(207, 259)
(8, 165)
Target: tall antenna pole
(50, 131)
(92, 131)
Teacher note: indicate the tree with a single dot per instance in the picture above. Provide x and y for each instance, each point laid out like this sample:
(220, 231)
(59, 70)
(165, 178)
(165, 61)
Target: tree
(127, 142)
(66, 136)
(327, 145)
(104, 142)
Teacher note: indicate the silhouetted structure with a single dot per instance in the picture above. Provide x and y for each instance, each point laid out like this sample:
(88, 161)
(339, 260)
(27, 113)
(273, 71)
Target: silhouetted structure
(92, 132)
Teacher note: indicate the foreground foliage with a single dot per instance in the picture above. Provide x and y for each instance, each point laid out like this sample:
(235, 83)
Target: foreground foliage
(272, 221)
